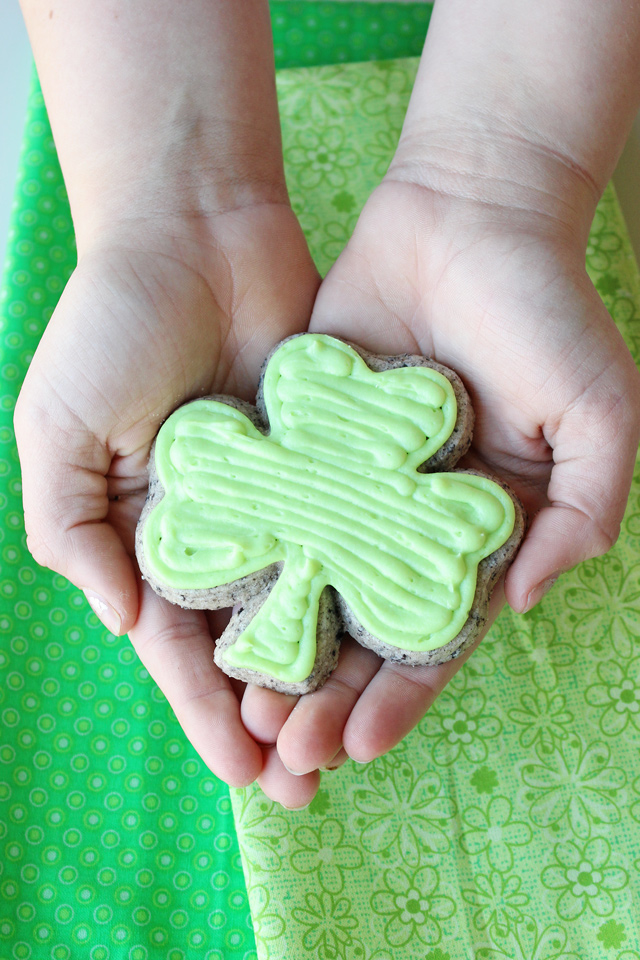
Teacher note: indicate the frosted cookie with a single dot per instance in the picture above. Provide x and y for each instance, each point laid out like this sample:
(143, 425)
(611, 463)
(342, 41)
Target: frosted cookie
(330, 506)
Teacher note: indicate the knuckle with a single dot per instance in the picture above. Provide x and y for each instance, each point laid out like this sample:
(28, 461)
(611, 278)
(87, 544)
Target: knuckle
(417, 680)
(29, 415)
(604, 536)
(41, 550)
(345, 685)
(170, 641)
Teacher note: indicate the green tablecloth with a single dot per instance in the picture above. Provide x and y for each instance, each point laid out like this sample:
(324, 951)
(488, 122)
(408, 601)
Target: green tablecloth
(115, 842)
(504, 827)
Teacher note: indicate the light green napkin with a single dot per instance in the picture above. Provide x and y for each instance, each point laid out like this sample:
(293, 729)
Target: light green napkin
(505, 827)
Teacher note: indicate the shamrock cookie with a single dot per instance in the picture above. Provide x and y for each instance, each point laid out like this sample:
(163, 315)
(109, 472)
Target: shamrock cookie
(331, 506)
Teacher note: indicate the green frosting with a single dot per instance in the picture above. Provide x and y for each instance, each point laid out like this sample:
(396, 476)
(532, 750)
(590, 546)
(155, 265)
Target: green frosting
(333, 493)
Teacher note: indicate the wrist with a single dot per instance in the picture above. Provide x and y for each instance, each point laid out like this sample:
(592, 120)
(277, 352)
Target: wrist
(509, 174)
(159, 109)
(178, 179)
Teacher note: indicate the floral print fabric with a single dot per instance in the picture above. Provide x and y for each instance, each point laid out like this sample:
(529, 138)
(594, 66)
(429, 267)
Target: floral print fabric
(507, 825)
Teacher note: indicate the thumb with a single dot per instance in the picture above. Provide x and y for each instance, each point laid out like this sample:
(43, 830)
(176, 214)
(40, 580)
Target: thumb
(66, 506)
(594, 455)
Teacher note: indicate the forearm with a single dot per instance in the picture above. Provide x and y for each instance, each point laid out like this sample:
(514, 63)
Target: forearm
(159, 109)
(524, 104)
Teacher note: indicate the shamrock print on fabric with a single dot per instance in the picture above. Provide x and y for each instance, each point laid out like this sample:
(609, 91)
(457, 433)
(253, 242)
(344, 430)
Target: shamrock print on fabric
(401, 815)
(585, 878)
(573, 781)
(612, 934)
(413, 906)
(333, 495)
(484, 780)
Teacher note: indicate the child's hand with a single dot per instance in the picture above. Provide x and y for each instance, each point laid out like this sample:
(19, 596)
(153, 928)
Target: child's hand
(502, 298)
(191, 267)
(472, 251)
(148, 321)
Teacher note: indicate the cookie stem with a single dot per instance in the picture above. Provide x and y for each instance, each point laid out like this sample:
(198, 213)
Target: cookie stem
(281, 638)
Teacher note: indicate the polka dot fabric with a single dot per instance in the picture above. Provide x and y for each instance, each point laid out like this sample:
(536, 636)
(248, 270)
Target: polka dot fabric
(115, 841)
(309, 34)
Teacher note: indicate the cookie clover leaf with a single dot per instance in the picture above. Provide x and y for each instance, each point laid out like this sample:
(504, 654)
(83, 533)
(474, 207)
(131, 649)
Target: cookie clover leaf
(330, 497)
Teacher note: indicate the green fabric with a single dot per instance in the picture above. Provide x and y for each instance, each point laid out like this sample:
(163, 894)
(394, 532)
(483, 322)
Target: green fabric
(516, 785)
(308, 33)
(115, 840)
(505, 827)
(93, 765)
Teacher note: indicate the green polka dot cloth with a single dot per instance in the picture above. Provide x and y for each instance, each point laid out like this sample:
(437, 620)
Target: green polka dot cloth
(115, 841)
(308, 33)
(504, 828)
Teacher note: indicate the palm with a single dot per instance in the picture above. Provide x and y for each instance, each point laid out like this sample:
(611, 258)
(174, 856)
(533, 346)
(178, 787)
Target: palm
(142, 327)
(507, 305)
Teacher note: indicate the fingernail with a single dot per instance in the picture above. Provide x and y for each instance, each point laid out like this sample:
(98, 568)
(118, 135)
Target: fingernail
(295, 773)
(104, 612)
(361, 763)
(538, 592)
(336, 761)
(306, 806)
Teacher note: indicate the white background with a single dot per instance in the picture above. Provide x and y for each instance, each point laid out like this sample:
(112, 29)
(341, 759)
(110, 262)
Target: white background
(15, 72)
(15, 68)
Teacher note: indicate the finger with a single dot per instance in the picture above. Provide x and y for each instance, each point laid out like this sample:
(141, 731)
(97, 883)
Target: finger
(398, 697)
(66, 506)
(176, 647)
(294, 793)
(217, 620)
(594, 454)
(312, 734)
(264, 712)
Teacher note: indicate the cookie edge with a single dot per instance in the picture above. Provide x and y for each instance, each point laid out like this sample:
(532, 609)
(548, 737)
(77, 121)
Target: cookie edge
(334, 613)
